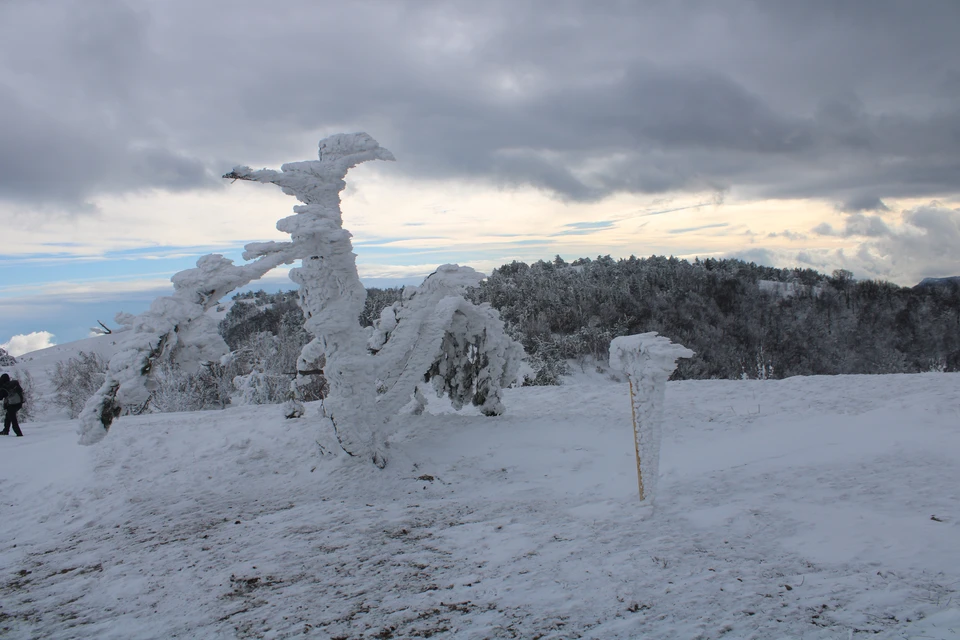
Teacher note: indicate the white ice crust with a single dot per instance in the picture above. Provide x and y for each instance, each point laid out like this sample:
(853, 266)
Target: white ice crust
(648, 360)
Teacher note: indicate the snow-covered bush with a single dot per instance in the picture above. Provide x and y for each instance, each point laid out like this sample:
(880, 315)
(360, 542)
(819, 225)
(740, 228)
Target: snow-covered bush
(260, 387)
(376, 301)
(172, 389)
(266, 335)
(175, 389)
(547, 369)
(215, 380)
(436, 335)
(269, 367)
(76, 379)
(6, 360)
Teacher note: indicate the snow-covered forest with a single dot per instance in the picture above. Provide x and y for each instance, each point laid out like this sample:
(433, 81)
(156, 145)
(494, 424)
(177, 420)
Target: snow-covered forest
(742, 320)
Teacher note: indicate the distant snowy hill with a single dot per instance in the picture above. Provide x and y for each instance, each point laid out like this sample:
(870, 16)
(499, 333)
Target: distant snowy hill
(939, 282)
(820, 507)
(40, 365)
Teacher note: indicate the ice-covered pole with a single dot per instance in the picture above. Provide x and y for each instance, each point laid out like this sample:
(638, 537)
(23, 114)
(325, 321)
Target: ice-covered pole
(648, 360)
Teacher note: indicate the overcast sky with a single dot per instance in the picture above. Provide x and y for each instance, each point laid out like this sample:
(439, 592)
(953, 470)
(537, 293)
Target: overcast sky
(812, 134)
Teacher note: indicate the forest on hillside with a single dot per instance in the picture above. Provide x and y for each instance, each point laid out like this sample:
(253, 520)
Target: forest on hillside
(741, 319)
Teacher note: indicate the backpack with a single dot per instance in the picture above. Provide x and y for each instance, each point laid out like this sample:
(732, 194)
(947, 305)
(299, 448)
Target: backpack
(14, 396)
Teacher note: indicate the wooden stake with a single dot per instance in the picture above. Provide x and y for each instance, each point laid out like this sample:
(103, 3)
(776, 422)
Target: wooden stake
(636, 442)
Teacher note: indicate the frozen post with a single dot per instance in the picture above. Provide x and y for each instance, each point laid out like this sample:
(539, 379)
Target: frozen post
(648, 360)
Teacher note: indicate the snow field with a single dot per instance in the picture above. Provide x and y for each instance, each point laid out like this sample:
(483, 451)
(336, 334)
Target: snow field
(824, 507)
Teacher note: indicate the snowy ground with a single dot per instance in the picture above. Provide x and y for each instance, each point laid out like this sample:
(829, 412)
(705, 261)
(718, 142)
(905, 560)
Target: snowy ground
(824, 507)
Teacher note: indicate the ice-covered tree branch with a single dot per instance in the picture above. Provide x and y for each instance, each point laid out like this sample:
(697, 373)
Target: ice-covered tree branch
(176, 328)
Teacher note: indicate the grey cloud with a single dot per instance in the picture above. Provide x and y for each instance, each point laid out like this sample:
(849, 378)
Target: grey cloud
(779, 99)
(67, 113)
(940, 227)
(40, 156)
(864, 202)
(925, 246)
(858, 224)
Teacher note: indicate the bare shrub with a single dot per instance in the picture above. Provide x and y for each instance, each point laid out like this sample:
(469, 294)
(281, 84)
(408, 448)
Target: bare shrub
(75, 380)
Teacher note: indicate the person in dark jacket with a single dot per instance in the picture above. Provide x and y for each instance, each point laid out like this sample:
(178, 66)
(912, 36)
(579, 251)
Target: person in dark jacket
(12, 394)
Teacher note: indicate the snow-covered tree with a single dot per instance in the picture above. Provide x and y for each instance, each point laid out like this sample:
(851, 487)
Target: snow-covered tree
(434, 334)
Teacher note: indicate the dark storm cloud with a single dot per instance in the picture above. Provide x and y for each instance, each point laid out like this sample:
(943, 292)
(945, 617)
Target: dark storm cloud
(42, 157)
(852, 102)
(72, 122)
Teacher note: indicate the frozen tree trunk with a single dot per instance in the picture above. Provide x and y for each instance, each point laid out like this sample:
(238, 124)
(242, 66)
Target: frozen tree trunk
(175, 328)
(331, 294)
(648, 360)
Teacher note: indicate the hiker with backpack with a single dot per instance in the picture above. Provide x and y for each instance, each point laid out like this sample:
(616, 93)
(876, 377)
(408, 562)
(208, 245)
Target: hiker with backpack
(12, 394)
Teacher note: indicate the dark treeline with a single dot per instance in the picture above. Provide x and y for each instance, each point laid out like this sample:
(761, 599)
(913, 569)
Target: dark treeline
(743, 320)
(259, 312)
(279, 314)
